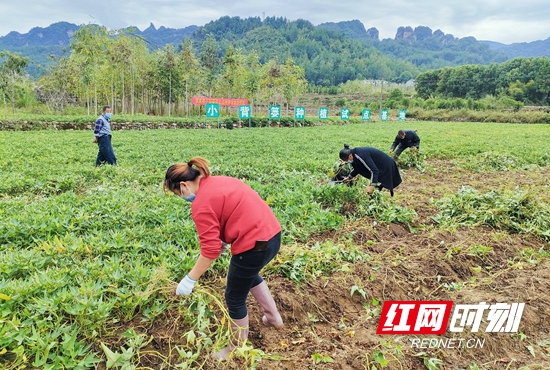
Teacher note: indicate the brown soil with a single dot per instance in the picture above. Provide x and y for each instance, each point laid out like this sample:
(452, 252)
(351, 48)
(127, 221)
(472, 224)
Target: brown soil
(323, 319)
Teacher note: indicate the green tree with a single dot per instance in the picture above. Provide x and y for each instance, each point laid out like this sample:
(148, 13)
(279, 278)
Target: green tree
(89, 48)
(119, 52)
(167, 76)
(127, 54)
(190, 72)
(541, 70)
(57, 88)
(404, 77)
(233, 73)
(395, 99)
(270, 86)
(170, 64)
(210, 61)
(426, 83)
(526, 79)
(11, 72)
(293, 82)
(253, 77)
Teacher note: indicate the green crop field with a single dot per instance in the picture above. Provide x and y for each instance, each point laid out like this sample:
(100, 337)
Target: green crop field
(90, 256)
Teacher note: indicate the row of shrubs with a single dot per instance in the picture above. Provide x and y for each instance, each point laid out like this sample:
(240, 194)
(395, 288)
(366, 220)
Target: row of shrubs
(140, 122)
(467, 115)
(120, 123)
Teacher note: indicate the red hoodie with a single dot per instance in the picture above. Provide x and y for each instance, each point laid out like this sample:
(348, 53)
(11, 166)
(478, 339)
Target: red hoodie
(227, 209)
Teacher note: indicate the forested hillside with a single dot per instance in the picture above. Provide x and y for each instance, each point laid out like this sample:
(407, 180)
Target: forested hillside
(328, 57)
(422, 47)
(269, 61)
(524, 80)
(45, 45)
(330, 53)
(522, 49)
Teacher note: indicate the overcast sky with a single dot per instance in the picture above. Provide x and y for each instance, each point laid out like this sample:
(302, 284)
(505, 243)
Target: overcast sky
(505, 21)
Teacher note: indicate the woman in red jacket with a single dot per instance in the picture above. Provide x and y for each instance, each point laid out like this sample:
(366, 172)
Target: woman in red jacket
(228, 211)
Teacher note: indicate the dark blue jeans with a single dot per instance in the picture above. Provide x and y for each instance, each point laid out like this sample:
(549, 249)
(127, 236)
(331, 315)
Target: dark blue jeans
(243, 276)
(106, 153)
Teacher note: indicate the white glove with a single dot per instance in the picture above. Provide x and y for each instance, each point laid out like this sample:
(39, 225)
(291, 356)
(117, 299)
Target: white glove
(185, 286)
(225, 246)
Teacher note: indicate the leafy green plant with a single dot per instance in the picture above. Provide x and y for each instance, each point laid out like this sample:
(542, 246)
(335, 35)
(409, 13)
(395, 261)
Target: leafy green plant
(356, 289)
(87, 250)
(128, 357)
(382, 209)
(318, 358)
(380, 358)
(432, 363)
(452, 252)
(412, 159)
(302, 263)
(492, 161)
(530, 256)
(519, 336)
(453, 285)
(516, 212)
(479, 251)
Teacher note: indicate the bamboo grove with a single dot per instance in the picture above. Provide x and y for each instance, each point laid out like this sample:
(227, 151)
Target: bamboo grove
(118, 68)
(133, 75)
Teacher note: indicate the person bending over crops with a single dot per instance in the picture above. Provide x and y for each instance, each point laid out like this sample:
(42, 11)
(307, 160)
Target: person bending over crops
(404, 139)
(373, 164)
(228, 211)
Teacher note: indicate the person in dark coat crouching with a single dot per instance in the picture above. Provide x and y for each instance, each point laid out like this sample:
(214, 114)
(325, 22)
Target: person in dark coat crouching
(373, 164)
(404, 139)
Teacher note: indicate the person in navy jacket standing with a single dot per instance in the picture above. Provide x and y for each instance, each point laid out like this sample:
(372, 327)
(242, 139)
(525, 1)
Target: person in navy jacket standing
(102, 136)
(373, 164)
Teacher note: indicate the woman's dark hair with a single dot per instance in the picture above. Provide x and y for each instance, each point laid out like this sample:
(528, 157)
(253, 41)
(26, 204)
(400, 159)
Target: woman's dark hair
(344, 153)
(189, 171)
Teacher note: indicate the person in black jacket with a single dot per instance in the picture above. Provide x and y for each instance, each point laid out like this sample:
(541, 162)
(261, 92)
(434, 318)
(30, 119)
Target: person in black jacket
(373, 164)
(404, 139)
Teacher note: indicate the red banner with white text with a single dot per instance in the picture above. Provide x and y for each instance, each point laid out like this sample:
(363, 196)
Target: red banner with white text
(224, 102)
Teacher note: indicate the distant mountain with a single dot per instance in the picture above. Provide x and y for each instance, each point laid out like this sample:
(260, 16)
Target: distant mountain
(41, 44)
(539, 48)
(159, 37)
(423, 38)
(60, 33)
(353, 29)
(56, 34)
(422, 47)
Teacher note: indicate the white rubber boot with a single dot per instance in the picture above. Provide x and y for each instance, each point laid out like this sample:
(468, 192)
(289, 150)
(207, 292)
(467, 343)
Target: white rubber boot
(265, 300)
(238, 336)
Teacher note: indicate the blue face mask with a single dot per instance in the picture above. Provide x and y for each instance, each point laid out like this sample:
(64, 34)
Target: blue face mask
(108, 115)
(350, 162)
(190, 198)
